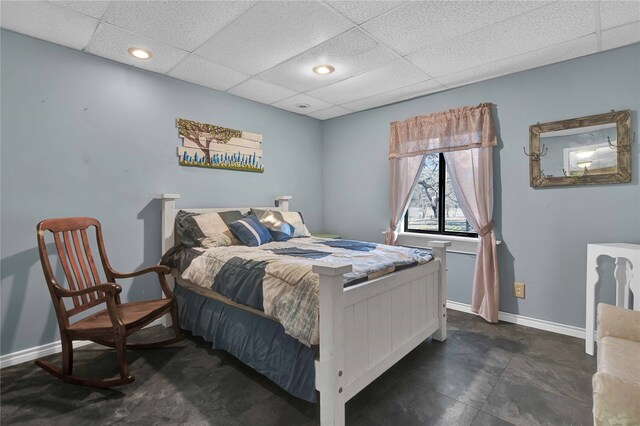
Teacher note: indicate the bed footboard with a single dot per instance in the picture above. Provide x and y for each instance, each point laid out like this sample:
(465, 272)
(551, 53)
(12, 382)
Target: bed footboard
(330, 368)
(367, 328)
(440, 252)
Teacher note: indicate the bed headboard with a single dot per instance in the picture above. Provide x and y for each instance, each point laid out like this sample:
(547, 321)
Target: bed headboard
(169, 212)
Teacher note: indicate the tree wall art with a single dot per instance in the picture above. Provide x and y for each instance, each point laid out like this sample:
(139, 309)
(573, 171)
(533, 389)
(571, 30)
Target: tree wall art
(216, 147)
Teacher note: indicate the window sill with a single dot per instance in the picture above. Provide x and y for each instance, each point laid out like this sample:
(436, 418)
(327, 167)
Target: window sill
(463, 245)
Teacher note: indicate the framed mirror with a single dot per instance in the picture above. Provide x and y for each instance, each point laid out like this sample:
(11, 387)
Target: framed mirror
(581, 151)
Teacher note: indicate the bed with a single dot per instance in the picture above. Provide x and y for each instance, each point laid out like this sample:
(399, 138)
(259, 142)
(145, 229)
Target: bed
(364, 328)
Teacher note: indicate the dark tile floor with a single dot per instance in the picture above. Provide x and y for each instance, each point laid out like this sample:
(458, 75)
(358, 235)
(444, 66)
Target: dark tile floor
(483, 374)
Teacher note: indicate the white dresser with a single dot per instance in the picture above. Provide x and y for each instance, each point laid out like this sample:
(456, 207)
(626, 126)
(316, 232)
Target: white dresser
(627, 276)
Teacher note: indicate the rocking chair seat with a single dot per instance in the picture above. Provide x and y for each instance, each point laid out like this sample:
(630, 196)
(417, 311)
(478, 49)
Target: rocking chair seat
(133, 314)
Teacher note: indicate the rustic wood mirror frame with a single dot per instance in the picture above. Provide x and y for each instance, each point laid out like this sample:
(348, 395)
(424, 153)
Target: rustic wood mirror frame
(623, 147)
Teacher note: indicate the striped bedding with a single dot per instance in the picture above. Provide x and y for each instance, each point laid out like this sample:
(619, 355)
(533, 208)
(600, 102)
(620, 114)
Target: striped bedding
(276, 277)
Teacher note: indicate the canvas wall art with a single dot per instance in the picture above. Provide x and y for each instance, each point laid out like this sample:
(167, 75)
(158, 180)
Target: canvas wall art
(216, 147)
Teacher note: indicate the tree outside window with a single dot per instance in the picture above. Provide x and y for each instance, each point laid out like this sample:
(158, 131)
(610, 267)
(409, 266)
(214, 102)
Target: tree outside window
(433, 207)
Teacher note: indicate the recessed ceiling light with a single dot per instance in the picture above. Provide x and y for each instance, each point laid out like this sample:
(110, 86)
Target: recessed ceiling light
(323, 69)
(303, 106)
(139, 53)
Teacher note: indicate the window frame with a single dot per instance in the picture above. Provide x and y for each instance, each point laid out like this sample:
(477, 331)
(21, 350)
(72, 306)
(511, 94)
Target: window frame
(442, 181)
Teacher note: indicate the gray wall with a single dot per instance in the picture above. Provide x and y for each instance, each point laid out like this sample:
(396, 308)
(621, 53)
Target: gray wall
(83, 135)
(544, 231)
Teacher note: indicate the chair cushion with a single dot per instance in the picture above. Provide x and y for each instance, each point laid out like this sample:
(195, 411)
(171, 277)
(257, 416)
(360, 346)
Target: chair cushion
(619, 357)
(618, 322)
(616, 385)
(132, 314)
(615, 400)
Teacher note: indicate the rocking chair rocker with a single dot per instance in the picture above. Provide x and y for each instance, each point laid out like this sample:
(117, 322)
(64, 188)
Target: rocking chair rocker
(109, 327)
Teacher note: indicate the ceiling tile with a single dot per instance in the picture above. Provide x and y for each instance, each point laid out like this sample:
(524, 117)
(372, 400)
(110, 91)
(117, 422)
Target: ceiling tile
(261, 91)
(393, 76)
(416, 25)
(182, 24)
(47, 21)
(548, 55)
(363, 11)
(314, 104)
(197, 70)
(332, 112)
(408, 92)
(95, 9)
(112, 43)
(350, 53)
(614, 13)
(272, 32)
(456, 42)
(621, 36)
(540, 28)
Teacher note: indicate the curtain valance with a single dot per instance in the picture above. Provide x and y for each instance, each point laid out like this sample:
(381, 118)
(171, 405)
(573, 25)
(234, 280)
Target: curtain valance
(453, 130)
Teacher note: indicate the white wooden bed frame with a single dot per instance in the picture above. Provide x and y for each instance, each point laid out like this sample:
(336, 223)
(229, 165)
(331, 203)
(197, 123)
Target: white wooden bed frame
(364, 329)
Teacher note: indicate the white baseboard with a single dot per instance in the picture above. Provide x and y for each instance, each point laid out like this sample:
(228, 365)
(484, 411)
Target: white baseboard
(54, 347)
(30, 354)
(540, 324)
(34, 353)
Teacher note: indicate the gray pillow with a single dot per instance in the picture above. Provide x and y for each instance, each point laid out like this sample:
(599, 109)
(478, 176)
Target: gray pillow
(205, 229)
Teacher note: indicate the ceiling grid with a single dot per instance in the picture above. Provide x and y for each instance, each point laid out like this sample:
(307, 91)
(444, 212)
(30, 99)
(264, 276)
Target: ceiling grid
(382, 51)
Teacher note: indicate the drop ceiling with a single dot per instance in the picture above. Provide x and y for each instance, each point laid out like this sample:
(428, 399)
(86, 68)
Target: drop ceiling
(382, 51)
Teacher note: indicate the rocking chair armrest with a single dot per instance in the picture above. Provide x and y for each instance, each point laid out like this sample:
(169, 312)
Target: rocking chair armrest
(110, 288)
(159, 269)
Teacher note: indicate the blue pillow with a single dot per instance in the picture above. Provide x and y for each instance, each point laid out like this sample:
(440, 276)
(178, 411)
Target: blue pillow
(250, 231)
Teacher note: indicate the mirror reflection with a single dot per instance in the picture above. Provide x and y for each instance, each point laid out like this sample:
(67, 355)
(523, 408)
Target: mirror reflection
(574, 152)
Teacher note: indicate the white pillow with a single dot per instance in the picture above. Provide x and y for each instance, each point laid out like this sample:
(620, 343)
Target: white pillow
(295, 219)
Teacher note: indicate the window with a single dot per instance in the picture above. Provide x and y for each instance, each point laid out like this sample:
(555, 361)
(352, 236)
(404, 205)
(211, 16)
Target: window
(433, 207)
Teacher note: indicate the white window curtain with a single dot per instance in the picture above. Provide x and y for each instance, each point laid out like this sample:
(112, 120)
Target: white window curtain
(405, 173)
(467, 136)
(471, 174)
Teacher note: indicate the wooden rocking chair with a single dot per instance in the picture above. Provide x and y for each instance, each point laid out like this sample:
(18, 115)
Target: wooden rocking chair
(109, 327)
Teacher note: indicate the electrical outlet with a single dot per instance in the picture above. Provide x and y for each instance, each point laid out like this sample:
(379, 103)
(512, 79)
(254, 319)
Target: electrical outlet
(518, 290)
